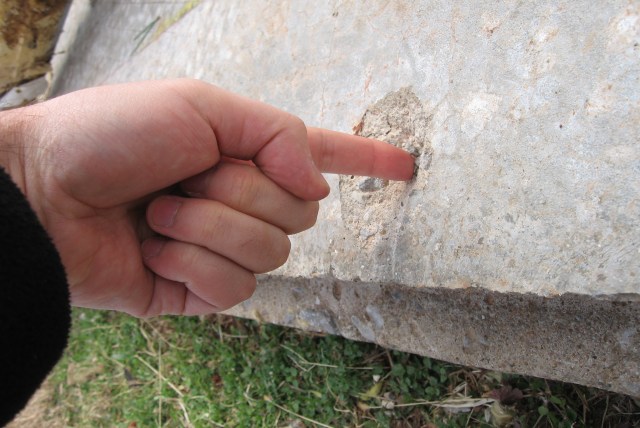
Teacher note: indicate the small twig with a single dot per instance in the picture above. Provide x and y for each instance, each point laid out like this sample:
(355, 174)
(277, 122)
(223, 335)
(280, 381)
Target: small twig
(374, 357)
(295, 353)
(184, 410)
(220, 336)
(97, 327)
(538, 421)
(171, 385)
(161, 336)
(150, 342)
(304, 361)
(143, 34)
(160, 397)
(604, 414)
(235, 336)
(585, 403)
(460, 388)
(186, 415)
(304, 418)
(150, 367)
(466, 424)
(246, 395)
(389, 358)
(455, 403)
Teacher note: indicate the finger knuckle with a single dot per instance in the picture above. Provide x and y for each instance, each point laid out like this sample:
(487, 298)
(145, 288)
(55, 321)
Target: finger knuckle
(298, 123)
(281, 250)
(295, 126)
(247, 288)
(311, 215)
(241, 286)
(187, 83)
(307, 217)
(276, 250)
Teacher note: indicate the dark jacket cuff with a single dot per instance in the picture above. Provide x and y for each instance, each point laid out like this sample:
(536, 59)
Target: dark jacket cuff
(35, 313)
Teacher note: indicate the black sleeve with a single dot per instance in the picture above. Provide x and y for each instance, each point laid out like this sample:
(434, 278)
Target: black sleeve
(35, 313)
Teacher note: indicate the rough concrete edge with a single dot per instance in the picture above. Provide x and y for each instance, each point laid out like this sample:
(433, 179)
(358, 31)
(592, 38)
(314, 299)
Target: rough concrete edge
(76, 17)
(572, 338)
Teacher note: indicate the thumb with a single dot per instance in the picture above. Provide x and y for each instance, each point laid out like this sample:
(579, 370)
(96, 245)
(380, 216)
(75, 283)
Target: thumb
(122, 142)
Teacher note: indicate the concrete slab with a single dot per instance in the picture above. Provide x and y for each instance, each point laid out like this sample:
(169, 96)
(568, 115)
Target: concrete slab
(516, 247)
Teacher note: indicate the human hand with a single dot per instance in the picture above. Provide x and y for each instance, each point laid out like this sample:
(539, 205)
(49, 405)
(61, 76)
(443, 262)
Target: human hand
(166, 197)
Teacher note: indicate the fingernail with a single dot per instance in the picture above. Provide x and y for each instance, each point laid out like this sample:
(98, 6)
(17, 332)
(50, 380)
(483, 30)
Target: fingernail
(152, 247)
(195, 186)
(164, 210)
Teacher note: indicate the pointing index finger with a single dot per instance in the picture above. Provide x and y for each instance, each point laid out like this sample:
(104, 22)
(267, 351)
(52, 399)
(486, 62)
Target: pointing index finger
(340, 153)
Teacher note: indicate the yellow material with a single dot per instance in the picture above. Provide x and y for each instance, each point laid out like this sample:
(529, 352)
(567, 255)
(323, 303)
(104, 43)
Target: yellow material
(28, 32)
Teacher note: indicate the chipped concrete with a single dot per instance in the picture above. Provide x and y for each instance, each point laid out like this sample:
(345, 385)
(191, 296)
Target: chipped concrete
(375, 213)
(525, 119)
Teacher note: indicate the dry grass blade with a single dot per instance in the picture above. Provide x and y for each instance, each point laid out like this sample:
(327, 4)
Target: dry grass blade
(292, 413)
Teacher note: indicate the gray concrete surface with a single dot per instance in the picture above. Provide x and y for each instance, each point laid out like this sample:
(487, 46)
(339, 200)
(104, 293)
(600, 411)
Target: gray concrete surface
(517, 245)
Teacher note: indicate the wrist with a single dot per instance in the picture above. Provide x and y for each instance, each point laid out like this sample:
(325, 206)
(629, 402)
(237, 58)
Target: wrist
(12, 135)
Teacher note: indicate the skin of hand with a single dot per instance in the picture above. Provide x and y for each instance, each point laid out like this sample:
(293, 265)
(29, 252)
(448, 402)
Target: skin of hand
(166, 197)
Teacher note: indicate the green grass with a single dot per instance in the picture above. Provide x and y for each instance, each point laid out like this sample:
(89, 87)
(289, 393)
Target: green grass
(221, 371)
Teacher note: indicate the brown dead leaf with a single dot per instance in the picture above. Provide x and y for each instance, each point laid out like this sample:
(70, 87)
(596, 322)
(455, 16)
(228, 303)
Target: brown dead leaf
(506, 395)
